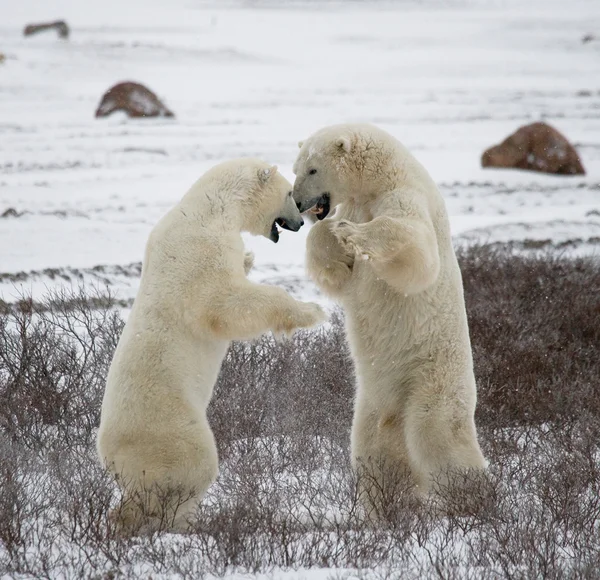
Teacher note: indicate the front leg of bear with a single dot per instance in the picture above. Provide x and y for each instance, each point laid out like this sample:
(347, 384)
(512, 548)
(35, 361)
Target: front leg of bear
(328, 262)
(402, 251)
(353, 238)
(248, 310)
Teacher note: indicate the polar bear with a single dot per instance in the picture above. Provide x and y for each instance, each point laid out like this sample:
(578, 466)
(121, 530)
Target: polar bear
(194, 298)
(386, 256)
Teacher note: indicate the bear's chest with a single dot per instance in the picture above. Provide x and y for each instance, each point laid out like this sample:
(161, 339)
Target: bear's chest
(366, 282)
(359, 214)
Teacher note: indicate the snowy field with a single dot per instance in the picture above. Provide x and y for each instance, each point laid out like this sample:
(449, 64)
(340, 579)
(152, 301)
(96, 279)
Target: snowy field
(447, 78)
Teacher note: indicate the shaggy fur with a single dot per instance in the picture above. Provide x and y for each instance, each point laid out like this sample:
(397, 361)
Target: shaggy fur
(386, 256)
(194, 298)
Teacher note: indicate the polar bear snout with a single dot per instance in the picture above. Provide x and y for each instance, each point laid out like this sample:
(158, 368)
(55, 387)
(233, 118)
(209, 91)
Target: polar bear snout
(292, 225)
(319, 206)
(289, 216)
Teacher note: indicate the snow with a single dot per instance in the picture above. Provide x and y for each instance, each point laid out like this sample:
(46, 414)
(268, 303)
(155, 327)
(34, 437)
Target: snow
(448, 79)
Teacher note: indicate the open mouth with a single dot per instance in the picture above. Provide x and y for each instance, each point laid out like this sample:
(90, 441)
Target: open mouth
(292, 226)
(321, 209)
(274, 235)
(283, 224)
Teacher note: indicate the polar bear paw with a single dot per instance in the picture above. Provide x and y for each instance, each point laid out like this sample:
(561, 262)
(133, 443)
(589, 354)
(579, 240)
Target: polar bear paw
(350, 237)
(304, 315)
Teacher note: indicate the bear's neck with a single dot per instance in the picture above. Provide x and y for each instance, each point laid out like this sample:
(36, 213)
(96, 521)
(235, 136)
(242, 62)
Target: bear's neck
(213, 209)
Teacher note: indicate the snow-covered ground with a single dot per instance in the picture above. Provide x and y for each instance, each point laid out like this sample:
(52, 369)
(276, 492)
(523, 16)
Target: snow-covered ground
(447, 78)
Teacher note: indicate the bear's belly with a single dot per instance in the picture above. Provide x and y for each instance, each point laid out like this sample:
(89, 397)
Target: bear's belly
(380, 331)
(158, 372)
(393, 337)
(377, 310)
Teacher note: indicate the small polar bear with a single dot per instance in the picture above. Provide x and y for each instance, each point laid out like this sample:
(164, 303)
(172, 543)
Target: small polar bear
(386, 256)
(194, 298)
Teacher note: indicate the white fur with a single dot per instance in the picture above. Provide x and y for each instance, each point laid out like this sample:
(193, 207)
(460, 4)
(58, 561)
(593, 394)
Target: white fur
(194, 298)
(386, 256)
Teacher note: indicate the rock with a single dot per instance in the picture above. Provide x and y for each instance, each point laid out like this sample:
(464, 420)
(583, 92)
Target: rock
(61, 27)
(2, 57)
(11, 212)
(537, 147)
(134, 99)
(588, 38)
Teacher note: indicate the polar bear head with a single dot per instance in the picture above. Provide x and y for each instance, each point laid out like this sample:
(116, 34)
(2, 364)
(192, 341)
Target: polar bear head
(271, 204)
(341, 162)
(254, 195)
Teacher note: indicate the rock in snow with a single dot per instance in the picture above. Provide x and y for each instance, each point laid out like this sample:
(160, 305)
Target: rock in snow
(134, 99)
(537, 147)
(61, 27)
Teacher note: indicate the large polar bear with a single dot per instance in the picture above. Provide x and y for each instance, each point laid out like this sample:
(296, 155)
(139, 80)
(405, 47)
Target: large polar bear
(386, 256)
(194, 298)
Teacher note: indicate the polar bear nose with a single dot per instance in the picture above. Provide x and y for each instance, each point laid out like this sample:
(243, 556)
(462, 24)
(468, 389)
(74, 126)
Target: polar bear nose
(292, 224)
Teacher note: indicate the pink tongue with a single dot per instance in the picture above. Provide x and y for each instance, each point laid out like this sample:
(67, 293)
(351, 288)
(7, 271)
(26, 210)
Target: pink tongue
(316, 210)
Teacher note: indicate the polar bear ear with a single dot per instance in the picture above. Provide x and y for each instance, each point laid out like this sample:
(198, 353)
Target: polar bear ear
(300, 143)
(265, 174)
(343, 144)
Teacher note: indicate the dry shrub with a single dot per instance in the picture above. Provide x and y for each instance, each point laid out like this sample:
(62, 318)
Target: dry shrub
(281, 414)
(535, 326)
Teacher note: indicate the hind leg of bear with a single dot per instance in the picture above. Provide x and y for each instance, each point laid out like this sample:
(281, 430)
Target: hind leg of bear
(380, 460)
(164, 497)
(143, 512)
(445, 455)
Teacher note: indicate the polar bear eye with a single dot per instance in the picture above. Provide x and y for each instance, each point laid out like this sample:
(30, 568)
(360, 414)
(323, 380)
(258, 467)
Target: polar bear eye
(312, 171)
(289, 193)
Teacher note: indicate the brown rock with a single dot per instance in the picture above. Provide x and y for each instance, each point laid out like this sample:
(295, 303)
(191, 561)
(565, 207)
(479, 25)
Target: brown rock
(61, 27)
(2, 57)
(135, 99)
(11, 212)
(537, 147)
